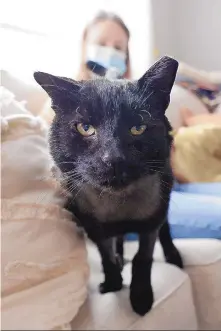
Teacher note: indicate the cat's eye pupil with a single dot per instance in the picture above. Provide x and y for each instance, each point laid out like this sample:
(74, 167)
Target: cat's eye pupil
(86, 127)
(138, 130)
(85, 130)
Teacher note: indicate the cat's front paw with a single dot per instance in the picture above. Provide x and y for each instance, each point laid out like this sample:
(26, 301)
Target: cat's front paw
(110, 285)
(175, 258)
(141, 298)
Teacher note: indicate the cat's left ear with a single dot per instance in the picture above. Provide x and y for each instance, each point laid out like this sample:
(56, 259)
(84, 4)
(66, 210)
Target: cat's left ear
(55, 84)
(160, 76)
(58, 88)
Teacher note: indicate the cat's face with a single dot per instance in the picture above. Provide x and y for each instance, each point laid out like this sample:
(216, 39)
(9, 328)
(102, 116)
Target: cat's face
(110, 133)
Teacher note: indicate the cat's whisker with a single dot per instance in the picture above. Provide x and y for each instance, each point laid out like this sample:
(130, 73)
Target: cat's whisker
(73, 180)
(160, 172)
(72, 189)
(71, 172)
(163, 199)
(100, 195)
(65, 194)
(172, 201)
(78, 192)
(72, 175)
(166, 185)
(155, 162)
(65, 162)
(73, 183)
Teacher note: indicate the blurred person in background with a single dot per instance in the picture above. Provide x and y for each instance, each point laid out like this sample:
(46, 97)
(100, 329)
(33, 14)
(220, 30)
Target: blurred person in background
(105, 41)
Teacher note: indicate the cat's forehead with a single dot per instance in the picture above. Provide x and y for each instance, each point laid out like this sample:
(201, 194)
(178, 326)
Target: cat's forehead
(101, 98)
(117, 100)
(107, 90)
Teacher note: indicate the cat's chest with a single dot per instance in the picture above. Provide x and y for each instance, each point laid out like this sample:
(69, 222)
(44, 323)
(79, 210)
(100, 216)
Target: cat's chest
(137, 202)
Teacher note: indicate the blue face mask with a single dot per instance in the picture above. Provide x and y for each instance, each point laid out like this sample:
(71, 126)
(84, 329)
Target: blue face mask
(107, 57)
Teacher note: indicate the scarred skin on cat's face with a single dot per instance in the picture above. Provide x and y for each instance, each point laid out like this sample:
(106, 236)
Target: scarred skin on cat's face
(112, 138)
(110, 133)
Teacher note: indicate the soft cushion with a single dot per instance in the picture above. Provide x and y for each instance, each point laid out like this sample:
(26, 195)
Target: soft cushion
(194, 211)
(206, 85)
(196, 156)
(213, 189)
(25, 90)
(189, 119)
(112, 311)
(44, 260)
(218, 109)
(202, 260)
(195, 215)
(182, 98)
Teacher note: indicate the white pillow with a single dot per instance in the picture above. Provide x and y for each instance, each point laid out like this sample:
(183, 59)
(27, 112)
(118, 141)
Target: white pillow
(9, 105)
(182, 98)
(218, 109)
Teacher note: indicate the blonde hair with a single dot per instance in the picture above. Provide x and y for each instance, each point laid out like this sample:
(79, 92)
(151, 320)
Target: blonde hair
(102, 16)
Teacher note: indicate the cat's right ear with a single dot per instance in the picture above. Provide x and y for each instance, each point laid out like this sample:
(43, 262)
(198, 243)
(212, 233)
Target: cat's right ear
(58, 88)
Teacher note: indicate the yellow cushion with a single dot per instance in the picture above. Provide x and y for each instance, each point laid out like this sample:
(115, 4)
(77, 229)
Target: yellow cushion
(197, 153)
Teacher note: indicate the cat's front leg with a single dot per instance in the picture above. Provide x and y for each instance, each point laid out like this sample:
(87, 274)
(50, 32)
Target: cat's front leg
(141, 293)
(120, 251)
(111, 267)
(171, 253)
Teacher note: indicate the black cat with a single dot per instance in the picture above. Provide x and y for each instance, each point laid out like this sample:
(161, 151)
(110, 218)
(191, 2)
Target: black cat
(110, 139)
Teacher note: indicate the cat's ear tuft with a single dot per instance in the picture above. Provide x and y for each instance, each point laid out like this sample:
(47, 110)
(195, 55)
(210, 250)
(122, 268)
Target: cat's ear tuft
(55, 84)
(64, 92)
(161, 75)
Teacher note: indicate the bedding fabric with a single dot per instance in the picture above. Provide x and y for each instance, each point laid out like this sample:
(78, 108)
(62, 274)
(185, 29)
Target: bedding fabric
(44, 260)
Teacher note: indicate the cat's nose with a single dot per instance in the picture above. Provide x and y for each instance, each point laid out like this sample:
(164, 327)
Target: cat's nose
(112, 158)
(116, 165)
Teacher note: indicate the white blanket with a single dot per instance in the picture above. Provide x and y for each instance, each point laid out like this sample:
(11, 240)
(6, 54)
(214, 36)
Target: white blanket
(44, 261)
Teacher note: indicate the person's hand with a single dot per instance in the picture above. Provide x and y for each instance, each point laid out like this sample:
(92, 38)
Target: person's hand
(189, 119)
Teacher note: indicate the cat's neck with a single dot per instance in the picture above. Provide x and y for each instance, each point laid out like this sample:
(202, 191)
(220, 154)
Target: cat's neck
(138, 200)
(127, 191)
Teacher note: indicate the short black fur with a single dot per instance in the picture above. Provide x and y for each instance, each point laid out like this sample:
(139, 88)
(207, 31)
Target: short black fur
(119, 181)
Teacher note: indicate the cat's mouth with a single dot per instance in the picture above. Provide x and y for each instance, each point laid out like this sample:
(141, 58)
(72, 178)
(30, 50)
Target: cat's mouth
(116, 183)
(113, 186)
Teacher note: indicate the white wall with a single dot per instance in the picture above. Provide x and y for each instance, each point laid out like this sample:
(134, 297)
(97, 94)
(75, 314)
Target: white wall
(189, 30)
(51, 41)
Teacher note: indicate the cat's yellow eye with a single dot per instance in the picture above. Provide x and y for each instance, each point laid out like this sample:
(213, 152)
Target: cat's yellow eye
(85, 130)
(138, 130)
